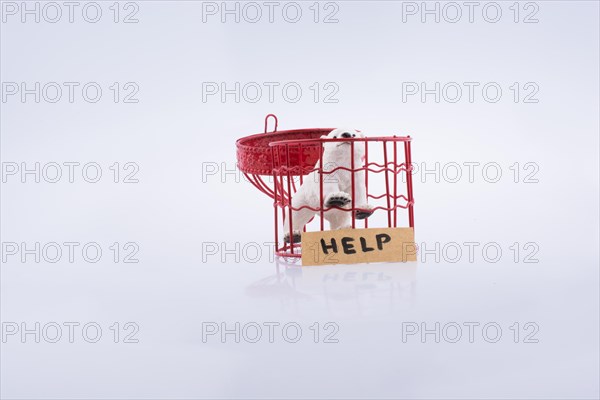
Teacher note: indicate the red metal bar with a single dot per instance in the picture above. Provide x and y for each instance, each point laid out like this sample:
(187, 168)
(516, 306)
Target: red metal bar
(283, 201)
(409, 169)
(267, 119)
(352, 184)
(300, 152)
(293, 189)
(387, 184)
(291, 222)
(275, 206)
(395, 185)
(320, 171)
(366, 179)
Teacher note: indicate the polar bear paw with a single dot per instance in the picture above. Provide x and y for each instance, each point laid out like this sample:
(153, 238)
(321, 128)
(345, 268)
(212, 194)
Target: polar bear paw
(364, 211)
(296, 237)
(339, 199)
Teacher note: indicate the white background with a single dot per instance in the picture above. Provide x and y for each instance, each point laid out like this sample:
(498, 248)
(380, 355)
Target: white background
(176, 208)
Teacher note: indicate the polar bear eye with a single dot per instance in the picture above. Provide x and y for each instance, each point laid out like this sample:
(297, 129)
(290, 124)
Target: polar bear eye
(335, 137)
(353, 135)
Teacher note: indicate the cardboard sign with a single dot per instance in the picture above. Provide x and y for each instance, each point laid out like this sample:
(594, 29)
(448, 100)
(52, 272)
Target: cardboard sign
(351, 246)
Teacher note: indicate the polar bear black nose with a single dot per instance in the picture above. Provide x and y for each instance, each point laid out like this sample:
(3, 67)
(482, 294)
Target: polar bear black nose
(346, 135)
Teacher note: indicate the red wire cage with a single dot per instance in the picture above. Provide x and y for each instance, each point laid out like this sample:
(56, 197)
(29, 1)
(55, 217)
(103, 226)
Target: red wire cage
(278, 162)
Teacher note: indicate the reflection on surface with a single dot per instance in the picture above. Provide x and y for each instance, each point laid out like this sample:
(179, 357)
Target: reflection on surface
(360, 289)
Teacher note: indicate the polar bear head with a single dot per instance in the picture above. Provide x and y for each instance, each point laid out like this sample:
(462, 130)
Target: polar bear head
(340, 149)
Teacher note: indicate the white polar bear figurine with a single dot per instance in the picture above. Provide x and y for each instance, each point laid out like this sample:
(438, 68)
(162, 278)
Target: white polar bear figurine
(337, 186)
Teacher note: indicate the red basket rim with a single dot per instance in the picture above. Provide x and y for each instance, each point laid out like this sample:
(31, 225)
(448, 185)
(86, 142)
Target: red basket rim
(241, 141)
(255, 153)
